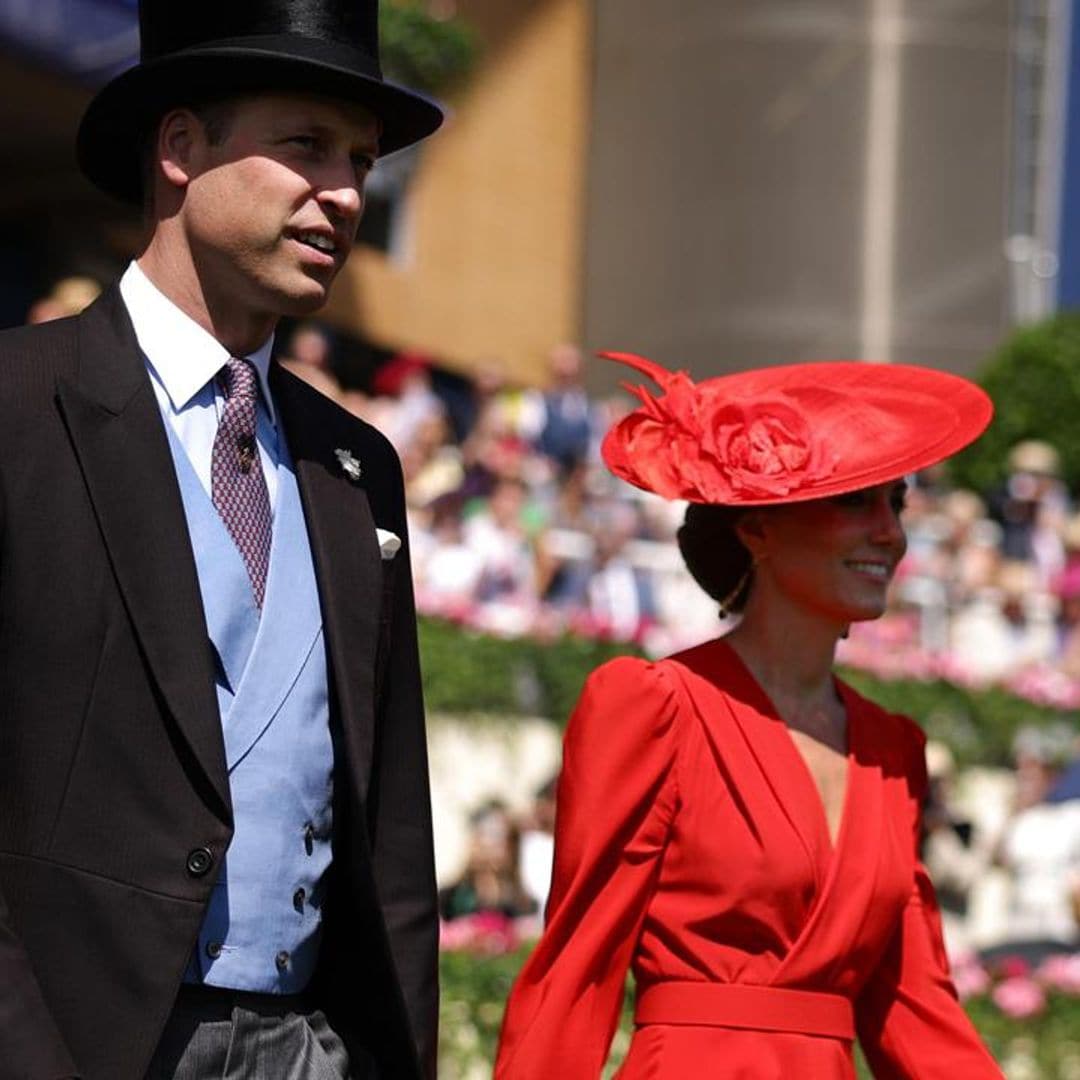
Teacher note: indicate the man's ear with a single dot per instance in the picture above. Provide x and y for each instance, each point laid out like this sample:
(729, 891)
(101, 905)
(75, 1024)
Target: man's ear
(180, 142)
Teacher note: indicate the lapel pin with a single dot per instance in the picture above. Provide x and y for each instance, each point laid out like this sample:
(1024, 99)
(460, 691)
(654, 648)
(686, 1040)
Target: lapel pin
(350, 465)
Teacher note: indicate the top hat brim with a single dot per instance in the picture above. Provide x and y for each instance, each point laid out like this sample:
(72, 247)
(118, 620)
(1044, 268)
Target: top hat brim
(112, 134)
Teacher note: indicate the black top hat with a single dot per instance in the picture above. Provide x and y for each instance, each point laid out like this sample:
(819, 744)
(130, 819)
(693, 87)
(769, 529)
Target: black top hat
(197, 50)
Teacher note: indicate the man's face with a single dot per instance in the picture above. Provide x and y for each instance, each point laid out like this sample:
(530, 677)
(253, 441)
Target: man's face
(271, 210)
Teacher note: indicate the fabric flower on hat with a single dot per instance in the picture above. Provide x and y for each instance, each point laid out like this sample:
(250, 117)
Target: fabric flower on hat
(692, 444)
(766, 448)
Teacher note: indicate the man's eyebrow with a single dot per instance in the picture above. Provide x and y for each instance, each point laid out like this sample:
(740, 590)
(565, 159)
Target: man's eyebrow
(366, 142)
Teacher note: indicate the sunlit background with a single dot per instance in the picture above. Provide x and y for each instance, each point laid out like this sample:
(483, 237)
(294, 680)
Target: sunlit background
(719, 185)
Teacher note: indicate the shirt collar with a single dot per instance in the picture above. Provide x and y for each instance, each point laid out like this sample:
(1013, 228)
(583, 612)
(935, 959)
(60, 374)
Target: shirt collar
(183, 355)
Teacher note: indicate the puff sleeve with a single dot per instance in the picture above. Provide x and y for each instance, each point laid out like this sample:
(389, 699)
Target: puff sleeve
(910, 1021)
(617, 795)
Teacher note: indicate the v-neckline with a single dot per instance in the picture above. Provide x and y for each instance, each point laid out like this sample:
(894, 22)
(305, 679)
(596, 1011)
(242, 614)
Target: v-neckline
(768, 707)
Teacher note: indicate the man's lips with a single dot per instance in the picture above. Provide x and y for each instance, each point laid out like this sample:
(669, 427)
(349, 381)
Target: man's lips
(325, 246)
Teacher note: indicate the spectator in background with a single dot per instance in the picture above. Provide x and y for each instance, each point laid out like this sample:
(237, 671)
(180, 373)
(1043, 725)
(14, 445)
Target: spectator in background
(405, 398)
(490, 882)
(492, 450)
(949, 848)
(614, 596)
(973, 544)
(447, 568)
(431, 462)
(69, 296)
(498, 535)
(309, 357)
(1008, 625)
(538, 845)
(565, 544)
(1040, 848)
(568, 416)
(1067, 786)
(514, 410)
(1031, 506)
(1067, 590)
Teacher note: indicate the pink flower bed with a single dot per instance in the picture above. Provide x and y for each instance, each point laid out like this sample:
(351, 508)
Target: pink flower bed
(487, 933)
(1016, 988)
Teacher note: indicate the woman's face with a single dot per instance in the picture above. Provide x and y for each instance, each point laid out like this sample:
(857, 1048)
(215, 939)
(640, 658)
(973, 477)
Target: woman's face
(833, 556)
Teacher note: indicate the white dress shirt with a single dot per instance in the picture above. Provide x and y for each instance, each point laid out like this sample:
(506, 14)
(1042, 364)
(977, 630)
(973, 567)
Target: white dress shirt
(183, 361)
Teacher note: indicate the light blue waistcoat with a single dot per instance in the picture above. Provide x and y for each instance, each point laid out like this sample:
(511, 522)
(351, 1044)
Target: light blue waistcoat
(261, 930)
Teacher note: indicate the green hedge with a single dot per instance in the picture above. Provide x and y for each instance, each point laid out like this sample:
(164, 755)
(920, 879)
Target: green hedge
(475, 988)
(467, 672)
(1034, 381)
(978, 726)
(421, 51)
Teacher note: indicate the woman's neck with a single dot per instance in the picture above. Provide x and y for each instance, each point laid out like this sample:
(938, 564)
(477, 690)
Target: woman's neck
(791, 655)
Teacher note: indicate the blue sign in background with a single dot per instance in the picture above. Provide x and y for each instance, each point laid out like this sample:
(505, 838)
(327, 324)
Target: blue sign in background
(89, 39)
(1069, 240)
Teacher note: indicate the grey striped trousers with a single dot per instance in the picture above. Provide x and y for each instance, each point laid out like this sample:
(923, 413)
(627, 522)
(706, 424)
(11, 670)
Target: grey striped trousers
(222, 1035)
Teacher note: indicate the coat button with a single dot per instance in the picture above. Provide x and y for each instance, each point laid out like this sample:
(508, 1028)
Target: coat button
(199, 861)
(298, 900)
(309, 838)
(213, 949)
(282, 960)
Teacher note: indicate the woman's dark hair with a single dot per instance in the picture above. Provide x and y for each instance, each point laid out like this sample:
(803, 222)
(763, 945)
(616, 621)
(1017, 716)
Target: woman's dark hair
(714, 554)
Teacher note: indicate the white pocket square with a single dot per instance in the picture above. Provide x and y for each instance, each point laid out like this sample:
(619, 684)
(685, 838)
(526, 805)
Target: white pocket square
(389, 543)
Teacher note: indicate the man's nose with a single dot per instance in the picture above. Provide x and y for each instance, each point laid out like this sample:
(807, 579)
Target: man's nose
(343, 195)
(345, 200)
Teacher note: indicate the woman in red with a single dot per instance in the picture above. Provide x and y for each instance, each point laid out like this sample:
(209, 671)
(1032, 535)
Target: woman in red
(734, 824)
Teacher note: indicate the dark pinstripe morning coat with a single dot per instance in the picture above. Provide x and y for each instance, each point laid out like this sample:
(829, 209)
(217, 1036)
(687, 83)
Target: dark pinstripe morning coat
(110, 740)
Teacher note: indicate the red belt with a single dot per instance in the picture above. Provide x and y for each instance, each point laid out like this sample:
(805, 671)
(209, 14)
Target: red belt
(759, 1008)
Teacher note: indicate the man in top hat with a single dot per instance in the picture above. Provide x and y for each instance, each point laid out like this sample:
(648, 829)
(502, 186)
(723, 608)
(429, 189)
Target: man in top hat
(215, 835)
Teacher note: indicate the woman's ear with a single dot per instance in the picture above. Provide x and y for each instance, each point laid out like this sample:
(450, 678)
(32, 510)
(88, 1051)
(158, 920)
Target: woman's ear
(752, 533)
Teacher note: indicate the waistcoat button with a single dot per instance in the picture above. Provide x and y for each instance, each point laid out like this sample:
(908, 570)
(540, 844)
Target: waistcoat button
(298, 899)
(282, 960)
(199, 861)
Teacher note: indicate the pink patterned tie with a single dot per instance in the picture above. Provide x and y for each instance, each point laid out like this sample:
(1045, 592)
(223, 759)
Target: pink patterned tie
(237, 484)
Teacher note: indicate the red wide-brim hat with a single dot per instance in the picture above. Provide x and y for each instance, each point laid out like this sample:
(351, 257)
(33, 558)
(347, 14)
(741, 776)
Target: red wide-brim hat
(790, 433)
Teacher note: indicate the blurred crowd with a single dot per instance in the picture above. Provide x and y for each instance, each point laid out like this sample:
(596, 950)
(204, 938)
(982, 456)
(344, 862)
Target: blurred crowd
(1003, 849)
(516, 528)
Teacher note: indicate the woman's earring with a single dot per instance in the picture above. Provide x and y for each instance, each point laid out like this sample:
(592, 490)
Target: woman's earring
(732, 597)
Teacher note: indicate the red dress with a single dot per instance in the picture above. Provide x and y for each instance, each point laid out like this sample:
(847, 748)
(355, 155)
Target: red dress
(692, 846)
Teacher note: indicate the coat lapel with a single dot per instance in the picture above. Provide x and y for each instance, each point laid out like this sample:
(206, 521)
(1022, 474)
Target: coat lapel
(119, 438)
(341, 530)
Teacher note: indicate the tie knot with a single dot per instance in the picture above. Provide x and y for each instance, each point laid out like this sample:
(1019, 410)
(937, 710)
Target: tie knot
(239, 380)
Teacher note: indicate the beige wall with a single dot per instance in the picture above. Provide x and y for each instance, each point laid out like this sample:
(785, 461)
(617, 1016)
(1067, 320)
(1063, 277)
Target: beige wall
(490, 269)
(798, 179)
